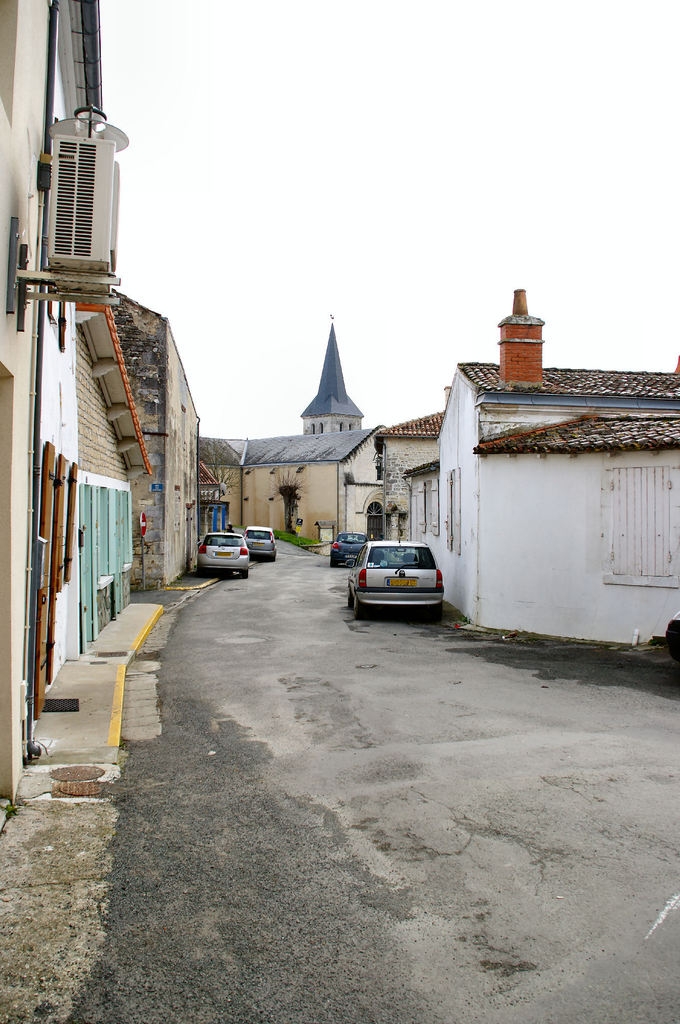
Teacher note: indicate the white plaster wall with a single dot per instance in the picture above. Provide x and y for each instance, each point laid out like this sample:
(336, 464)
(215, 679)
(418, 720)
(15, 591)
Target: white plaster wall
(457, 439)
(23, 29)
(544, 547)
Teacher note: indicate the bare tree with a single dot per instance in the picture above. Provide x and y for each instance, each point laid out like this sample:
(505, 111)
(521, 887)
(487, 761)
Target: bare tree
(222, 461)
(289, 486)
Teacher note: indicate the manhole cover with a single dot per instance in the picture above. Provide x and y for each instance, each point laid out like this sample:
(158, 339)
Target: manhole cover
(77, 773)
(77, 789)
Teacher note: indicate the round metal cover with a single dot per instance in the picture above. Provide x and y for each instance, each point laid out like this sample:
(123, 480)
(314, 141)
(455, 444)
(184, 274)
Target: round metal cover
(77, 773)
(77, 789)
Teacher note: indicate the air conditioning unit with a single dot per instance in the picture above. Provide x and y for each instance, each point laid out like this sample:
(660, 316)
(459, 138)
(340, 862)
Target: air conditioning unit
(82, 215)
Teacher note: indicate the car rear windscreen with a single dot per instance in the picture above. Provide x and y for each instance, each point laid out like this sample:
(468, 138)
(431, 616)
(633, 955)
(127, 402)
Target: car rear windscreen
(400, 557)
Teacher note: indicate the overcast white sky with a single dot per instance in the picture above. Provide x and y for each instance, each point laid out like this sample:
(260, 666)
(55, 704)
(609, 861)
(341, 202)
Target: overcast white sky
(403, 167)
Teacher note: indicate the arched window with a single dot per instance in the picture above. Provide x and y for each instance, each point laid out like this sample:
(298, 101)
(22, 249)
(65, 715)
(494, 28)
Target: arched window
(314, 428)
(321, 428)
(374, 520)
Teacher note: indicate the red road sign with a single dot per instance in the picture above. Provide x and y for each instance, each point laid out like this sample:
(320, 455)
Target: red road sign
(142, 523)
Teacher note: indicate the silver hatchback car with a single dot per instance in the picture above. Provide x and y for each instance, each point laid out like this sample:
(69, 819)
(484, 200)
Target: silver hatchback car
(223, 552)
(395, 573)
(261, 542)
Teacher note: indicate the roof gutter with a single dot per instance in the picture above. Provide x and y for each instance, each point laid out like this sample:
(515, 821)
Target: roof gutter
(576, 401)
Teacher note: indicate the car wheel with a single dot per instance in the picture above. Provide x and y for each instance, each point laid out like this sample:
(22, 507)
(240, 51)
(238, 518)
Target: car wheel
(436, 613)
(350, 599)
(244, 574)
(358, 609)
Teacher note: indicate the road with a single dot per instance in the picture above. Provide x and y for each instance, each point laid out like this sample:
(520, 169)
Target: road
(388, 821)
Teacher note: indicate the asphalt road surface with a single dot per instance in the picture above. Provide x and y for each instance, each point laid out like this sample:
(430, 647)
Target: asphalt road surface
(387, 821)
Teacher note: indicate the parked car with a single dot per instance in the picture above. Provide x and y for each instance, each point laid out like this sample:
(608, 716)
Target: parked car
(261, 542)
(673, 636)
(223, 552)
(396, 573)
(346, 544)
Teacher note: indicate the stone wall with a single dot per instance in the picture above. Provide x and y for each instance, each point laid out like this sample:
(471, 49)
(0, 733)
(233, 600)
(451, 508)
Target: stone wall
(96, 439)
(402, 454)
(169, 425)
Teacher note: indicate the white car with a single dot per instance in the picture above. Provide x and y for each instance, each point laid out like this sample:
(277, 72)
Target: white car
(223, 552)
(395, 573)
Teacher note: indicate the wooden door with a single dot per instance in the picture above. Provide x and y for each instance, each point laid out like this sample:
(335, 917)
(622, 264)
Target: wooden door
(43, 571)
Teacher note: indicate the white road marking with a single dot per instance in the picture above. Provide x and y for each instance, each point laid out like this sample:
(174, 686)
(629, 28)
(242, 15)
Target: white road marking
(673, 904)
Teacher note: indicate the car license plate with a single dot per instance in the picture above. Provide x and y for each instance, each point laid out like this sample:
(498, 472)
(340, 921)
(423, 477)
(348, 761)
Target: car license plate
(257, 543)
(392, 582)
(223, 554)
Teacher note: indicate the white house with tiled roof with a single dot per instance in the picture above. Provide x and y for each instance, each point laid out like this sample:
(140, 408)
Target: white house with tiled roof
(559, 494)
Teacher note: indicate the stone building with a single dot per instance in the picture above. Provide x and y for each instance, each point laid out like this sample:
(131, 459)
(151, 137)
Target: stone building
(112, 454)
(399, 449)
(169, 424)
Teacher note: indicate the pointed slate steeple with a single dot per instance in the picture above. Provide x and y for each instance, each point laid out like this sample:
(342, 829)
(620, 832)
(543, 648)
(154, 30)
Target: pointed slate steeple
(332, 409)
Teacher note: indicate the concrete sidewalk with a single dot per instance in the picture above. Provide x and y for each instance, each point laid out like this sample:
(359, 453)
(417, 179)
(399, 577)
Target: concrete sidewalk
(95, 686)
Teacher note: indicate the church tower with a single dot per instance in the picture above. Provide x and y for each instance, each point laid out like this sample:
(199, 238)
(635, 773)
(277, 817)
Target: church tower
(332, 409)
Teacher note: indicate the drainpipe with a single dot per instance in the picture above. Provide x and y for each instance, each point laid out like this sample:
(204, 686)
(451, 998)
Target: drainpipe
(198, 479)
(32, 748)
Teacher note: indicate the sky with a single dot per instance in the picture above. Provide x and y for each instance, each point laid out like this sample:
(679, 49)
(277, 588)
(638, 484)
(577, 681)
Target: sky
(401, 167)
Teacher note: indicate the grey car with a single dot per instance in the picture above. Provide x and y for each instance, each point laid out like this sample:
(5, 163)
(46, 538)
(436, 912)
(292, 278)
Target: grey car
(395, 574)
(261, 542)
(223, 552)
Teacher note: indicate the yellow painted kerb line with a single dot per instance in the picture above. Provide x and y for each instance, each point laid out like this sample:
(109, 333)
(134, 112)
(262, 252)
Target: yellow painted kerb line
(119, 689)
(117, 708)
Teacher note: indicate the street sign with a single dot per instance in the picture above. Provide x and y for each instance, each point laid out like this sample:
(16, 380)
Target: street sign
(142, 523)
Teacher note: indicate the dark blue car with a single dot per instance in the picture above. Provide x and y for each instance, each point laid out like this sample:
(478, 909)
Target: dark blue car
(344, 545)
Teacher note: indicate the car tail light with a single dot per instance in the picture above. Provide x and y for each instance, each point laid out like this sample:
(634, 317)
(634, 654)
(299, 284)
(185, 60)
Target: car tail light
(335, 545)
(362, 578)
(243, 551)
(202, 550)
(440, 580)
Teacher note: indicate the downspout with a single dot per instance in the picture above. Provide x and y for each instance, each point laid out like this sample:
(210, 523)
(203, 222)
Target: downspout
(198, 479)
(384, 483)
(44, 180)
(243, 462)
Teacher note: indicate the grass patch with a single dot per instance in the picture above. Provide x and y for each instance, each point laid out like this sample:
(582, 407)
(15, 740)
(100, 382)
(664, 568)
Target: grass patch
(292, 538)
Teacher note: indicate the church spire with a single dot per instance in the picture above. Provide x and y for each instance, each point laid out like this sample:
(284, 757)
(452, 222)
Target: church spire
(332, 409)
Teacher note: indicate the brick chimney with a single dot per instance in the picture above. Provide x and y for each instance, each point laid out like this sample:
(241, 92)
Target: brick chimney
(521, 345)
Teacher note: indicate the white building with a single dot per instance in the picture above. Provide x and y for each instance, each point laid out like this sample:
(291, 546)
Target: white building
(559, 494)
(49, 365)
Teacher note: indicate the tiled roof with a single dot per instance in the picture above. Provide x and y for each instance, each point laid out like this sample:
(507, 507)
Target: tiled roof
(205, 477)
(302, 448)
(425, 467)
(590, 434)
(426, 426)
(218, 451)
(609, 383)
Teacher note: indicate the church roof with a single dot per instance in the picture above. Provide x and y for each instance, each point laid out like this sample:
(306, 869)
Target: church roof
(304, 448)
(332, 398)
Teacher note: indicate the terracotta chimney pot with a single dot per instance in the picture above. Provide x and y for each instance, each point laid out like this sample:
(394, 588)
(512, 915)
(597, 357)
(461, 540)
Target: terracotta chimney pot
(519, 303)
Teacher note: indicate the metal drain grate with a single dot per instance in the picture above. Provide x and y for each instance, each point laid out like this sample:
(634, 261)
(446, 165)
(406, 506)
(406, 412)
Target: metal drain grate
(62, 704)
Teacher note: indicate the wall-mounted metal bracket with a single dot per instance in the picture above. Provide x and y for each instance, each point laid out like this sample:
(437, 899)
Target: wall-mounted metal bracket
(68, 286)
(17, 261)
(10, 303)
